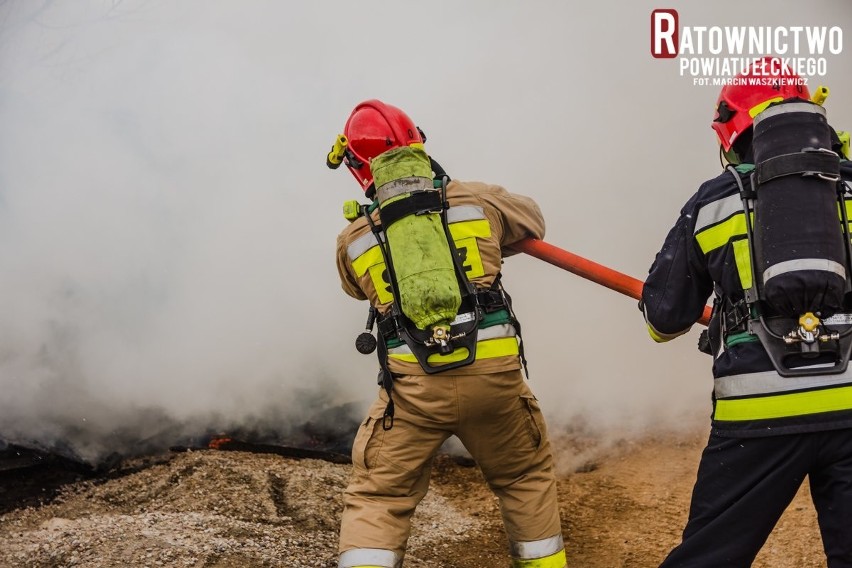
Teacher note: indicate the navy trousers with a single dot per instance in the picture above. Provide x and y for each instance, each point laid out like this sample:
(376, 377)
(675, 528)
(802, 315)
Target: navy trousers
(745, 484)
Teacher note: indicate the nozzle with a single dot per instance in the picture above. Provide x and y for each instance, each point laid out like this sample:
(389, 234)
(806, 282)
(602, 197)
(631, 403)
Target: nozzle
(820, 95)
(338, 150)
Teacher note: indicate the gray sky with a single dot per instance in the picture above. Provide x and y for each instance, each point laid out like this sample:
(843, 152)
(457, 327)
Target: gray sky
(167, 224)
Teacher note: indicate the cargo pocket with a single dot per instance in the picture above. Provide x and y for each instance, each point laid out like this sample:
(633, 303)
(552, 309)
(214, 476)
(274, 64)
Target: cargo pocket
(534, 419)
(368, 441)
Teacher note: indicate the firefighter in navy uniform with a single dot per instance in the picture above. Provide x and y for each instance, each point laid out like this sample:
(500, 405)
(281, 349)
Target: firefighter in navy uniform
(778, 417)
(426, 254)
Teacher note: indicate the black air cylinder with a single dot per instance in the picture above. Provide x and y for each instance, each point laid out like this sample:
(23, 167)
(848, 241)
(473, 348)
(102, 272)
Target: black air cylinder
(799, 248)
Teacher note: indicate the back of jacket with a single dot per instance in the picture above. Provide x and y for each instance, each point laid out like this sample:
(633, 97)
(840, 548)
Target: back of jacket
(484, 221)
(707, 251)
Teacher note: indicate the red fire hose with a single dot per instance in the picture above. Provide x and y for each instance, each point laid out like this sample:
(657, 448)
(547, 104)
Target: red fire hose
(588, 269)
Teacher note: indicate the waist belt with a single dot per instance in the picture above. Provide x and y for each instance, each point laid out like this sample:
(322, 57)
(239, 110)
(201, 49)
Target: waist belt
(493, 303)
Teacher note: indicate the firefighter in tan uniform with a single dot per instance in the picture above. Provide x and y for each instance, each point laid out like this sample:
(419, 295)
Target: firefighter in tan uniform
(448, 344)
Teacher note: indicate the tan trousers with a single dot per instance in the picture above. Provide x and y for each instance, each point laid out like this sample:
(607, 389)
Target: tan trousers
(497, 419)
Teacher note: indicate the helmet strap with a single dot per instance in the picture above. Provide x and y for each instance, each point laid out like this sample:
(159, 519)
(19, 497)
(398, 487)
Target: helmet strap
(728, 157)
(370, 192)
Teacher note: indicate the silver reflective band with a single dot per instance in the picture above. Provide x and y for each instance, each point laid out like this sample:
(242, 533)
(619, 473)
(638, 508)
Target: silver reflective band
(362, 244)
(493, 332)
(369, 557)
(718, 211)
(804, 264)
(789, 107)
(465, 213)
(770, 382)
(536, 548)
(403, 185)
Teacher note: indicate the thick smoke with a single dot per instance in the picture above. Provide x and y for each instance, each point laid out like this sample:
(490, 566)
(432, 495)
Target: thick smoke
(167, 224)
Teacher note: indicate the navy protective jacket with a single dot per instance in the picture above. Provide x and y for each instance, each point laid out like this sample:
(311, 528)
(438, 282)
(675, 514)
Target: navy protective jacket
(706, 253)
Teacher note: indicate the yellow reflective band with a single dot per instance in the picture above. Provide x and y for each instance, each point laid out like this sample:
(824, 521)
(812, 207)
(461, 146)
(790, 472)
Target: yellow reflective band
(719, 235)
(784, 405)
(848, 203)
(742, 256)
(378, 275)
(478, 228)
(845, 144)
(487, 349)
(373, 262)
(372, 257)
(557, 560)
(757, 109)
(655, 336)
(470, 258)
(661, 337)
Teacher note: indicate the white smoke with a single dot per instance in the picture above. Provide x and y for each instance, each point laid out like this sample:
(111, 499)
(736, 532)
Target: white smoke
(167, 225)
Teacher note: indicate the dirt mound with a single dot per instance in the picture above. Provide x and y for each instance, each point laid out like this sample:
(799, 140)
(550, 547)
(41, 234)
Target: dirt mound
(623, 504)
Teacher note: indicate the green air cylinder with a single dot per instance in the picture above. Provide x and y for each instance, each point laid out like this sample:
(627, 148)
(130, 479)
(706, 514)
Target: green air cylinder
(409, 208)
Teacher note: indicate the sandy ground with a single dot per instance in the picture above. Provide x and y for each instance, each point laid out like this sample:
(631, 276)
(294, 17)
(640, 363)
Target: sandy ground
(623, 504)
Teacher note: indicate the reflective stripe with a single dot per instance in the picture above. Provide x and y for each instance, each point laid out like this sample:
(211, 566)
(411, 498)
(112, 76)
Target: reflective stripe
(403, 185)
(487, 349)
(760, 107)
(536, 548)
(717, 211)
(369, 558)
(557, 560)
(769, 382)
(362, 244)
(476, 228)
(465, 213)
(719, 235)
(784, 405)
(659, 336)
(493, 332)
(371, 257)
(787, 108)
(469, 254)
(717, 222)
(848, 203)
(742, 256)
(804, 264)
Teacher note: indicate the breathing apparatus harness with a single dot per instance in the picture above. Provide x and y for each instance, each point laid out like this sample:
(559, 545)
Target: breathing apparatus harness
(480, 307)
(819, 340)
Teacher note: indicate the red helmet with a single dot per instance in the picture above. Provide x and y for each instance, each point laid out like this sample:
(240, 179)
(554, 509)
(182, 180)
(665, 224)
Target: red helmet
(372, 129)
(741, 101)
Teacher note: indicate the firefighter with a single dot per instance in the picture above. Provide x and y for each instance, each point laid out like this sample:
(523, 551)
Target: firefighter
(458, 372)
(778, 417)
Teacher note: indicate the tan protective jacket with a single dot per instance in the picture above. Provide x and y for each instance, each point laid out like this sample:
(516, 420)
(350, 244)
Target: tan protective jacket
(484, 220)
